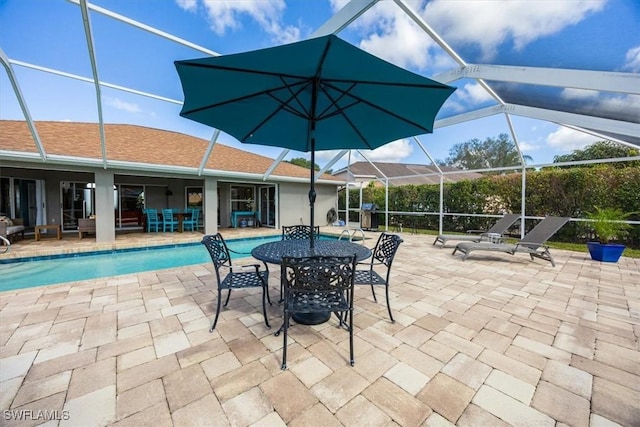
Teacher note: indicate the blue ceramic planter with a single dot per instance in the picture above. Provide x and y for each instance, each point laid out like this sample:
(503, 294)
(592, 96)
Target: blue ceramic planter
(605, 253)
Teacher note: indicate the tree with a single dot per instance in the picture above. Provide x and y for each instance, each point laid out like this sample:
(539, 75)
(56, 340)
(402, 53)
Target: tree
(601, 150)
(490, 153)
(302, 162)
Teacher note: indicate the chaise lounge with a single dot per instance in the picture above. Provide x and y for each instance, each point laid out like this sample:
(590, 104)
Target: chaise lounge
(10, 228)
(500, 227)
(532, 243)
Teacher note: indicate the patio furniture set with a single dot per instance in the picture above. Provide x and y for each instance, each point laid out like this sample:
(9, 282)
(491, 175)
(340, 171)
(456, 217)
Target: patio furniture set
(172, 220)
(316, 280)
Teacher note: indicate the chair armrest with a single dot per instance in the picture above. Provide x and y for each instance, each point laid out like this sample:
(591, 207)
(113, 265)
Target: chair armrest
(255, 267)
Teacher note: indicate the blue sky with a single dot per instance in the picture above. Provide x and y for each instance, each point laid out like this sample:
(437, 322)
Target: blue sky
(592, 34)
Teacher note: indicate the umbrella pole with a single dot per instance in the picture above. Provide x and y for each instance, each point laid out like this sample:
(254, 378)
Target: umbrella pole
(312, 190)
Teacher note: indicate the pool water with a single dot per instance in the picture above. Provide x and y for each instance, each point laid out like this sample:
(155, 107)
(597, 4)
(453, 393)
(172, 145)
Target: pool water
(39, 272)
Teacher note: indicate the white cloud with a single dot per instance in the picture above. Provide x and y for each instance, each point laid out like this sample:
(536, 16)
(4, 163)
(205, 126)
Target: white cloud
(389, 33)
(527, 146)
(566, 140)
(473, 94)
(119, 104)
(188, 5)
(580, 94)
(228, 14)
(500, 21)
(632, 60)
(392, 152)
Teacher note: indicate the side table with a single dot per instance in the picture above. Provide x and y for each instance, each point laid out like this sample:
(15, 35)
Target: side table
(55, 227)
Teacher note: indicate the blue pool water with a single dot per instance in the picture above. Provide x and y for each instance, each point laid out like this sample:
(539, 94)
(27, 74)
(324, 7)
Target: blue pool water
(38, 272)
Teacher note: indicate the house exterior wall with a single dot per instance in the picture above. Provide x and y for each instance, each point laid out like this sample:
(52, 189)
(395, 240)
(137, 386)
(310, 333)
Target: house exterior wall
(292, 198)
(293, 202)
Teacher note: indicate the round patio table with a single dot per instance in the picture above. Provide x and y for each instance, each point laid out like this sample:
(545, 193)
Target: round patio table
(273, 253)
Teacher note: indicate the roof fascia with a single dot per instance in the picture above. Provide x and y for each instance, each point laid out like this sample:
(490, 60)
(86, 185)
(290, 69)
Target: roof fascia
(23, 105)
(605, 81)
(161, 170)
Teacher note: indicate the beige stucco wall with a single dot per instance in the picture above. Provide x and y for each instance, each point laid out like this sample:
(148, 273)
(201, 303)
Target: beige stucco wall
(294, 203)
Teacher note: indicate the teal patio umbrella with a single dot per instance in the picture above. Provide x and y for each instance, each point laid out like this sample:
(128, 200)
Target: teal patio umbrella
(317, 94)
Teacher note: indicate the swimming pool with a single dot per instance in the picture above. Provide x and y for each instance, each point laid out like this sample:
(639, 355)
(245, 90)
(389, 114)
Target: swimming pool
(70, 268)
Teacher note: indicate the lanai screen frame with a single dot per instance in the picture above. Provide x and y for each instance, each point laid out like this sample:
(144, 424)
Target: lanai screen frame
(625, 132)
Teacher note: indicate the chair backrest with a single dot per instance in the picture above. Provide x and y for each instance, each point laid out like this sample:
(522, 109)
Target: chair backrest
(195, 214)
(544, 230)
(299, 232)
(218, 251)
(503, 224)
(167, 214)
(152, 214)
(319, 274)
(386, 248)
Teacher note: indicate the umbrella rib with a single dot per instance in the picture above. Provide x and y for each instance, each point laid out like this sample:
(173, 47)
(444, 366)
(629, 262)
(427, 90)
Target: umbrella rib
(284, 105)
(372, 105)
(244, 70)
(341, 112)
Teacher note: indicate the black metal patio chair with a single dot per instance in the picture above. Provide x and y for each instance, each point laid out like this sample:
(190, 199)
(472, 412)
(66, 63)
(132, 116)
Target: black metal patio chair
(382, 257)
(318, 284)
(235, 277)
(299, 232)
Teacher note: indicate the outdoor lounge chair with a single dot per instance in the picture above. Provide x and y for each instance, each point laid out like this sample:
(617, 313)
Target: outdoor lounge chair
(532, 243)
(500, 227)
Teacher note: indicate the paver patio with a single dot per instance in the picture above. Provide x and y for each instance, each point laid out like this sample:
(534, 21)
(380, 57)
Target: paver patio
(494, 340)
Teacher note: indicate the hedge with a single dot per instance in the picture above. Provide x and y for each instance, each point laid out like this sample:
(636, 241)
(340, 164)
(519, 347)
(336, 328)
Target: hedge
(569, 192)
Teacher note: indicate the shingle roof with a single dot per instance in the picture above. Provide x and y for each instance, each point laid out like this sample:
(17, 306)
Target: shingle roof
(405, 174)
(130, 143)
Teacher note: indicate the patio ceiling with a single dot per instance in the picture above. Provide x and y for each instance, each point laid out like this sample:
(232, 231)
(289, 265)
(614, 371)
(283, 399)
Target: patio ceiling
(515, 90)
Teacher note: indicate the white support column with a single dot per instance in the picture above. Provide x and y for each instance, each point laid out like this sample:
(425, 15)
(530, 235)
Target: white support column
(210, 205)
(105, 212)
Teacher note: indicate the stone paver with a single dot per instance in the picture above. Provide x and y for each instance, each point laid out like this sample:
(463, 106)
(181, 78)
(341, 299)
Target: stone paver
(484, 342)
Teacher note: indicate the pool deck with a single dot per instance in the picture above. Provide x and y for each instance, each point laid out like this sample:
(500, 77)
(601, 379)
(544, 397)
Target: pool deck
(491, 341)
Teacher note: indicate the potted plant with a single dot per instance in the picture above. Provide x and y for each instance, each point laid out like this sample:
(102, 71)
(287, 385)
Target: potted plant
(608, 227)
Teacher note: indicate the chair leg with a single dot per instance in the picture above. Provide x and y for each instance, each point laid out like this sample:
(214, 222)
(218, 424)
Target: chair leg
(228, 296)
(265, 292)
(215, 321)
(373, 292)
(386, 288)
(351, 358)
(285, 326)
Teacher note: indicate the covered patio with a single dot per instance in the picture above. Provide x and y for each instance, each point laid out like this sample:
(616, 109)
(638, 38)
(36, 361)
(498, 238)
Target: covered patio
(494, 340)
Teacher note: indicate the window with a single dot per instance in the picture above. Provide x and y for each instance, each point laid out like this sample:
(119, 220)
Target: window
(242, 198)
(194, 197)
